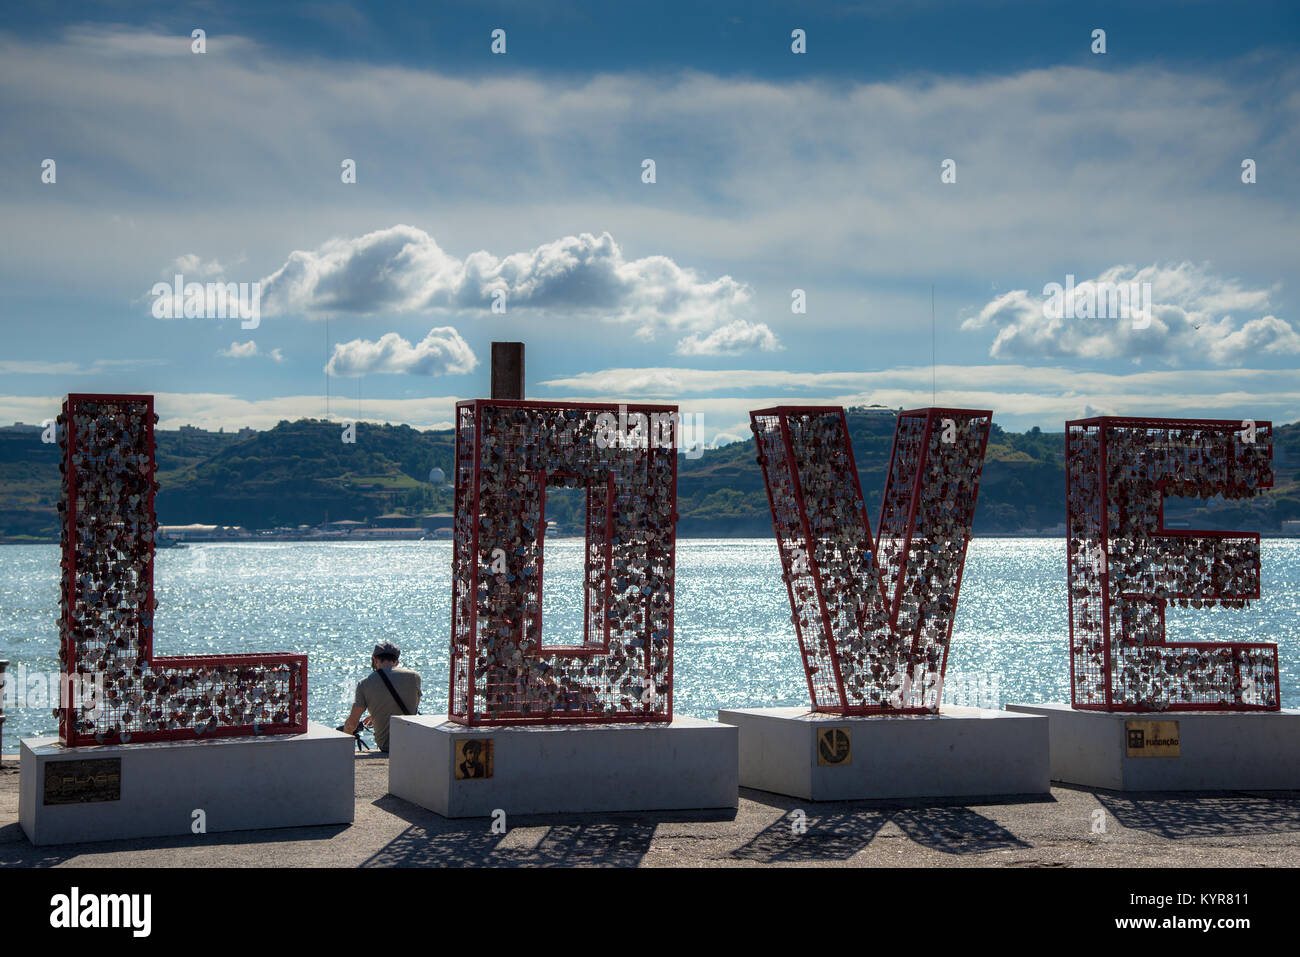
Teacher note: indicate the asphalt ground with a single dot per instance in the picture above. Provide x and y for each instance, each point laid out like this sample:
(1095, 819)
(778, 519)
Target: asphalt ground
(1183, 829)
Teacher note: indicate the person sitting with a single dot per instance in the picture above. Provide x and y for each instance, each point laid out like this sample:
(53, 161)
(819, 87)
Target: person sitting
(386, 691)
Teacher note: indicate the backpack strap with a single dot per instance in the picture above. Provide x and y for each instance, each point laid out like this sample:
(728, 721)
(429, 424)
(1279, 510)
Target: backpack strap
(396, 697)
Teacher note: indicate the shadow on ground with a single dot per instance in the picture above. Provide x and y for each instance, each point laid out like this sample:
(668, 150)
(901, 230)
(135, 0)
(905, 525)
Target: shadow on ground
(836, 831)
(17, 851)
(569, 840)
(1178, 815)
(819, 836)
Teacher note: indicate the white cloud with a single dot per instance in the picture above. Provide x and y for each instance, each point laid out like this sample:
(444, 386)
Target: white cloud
(729, 340)
(98, 367)
(112, 40)
(1258, 337)
(212, 410)
(403, 269)
(663, 383)
(1195, 314)
(1019, 395)
(1056, 166)
(191, 265)
(248, 350)
(39, 367)
(441, 352)
(1098, 146)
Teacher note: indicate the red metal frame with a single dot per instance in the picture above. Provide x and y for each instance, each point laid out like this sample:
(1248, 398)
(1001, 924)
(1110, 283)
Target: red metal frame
(113, 551)
(1120, 659)
(868, 637)
(501, 672)
(818, 590)
(588, 647)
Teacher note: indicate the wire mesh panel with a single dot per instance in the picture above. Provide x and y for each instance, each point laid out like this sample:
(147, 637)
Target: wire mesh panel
(1125, 567)
(464, 607)
(504, 668)
(122, 692)
(789, 521)
(873, 619)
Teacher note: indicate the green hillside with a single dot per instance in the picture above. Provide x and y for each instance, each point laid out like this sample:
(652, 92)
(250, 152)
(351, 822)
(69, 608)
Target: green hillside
(301, 473)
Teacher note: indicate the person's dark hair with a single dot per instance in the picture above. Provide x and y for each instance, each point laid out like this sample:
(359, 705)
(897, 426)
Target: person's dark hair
(387, 651)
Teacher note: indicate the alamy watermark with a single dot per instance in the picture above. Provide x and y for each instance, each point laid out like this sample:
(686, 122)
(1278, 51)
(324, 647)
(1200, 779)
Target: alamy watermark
(637, 430)
(1099, 300)
(208, 300)
(80, 910)
(972, 690)
(51, 689)
(960, 688)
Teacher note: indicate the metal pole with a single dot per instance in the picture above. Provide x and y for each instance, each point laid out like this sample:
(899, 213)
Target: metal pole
(3, 665)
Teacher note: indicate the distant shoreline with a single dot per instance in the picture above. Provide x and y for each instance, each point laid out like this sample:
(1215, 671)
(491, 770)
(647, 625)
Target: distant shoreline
(259, 539)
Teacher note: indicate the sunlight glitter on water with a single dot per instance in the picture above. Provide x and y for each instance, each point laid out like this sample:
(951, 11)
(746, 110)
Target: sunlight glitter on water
(735, 645)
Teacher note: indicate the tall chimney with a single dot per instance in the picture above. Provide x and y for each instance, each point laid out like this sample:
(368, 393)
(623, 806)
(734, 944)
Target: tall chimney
(507, 370)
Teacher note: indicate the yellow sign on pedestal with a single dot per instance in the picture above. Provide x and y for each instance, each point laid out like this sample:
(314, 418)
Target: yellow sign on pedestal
(1151, 739)
(834, 747)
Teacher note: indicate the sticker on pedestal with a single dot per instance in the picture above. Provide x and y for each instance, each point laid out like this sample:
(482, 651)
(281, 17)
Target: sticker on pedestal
(83, 782)
(834, 747)
(1151, 739)
(474, 759)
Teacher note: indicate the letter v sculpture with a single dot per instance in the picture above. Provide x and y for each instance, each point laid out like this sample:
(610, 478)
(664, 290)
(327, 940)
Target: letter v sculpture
(873, 616)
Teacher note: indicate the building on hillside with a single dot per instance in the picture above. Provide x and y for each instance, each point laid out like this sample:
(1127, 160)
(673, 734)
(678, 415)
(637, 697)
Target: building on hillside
(393, 520)
(436, 520)
(345, 525)
(382, 534)
(202, 533)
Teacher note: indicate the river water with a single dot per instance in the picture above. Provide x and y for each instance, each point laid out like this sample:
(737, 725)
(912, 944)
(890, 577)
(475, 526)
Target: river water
(735, 646)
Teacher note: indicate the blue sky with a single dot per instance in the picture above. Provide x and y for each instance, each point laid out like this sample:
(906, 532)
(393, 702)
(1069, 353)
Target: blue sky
(518, 178)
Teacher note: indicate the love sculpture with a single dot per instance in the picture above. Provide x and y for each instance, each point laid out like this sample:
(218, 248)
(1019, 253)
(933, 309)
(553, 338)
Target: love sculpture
(873, 617)
(508, 453)
(108, 604)
(1125, 566)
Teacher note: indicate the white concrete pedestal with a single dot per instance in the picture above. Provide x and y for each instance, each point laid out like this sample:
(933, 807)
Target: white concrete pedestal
(1219, 750)
(538, 769)
(960, 752)
(281, 780)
